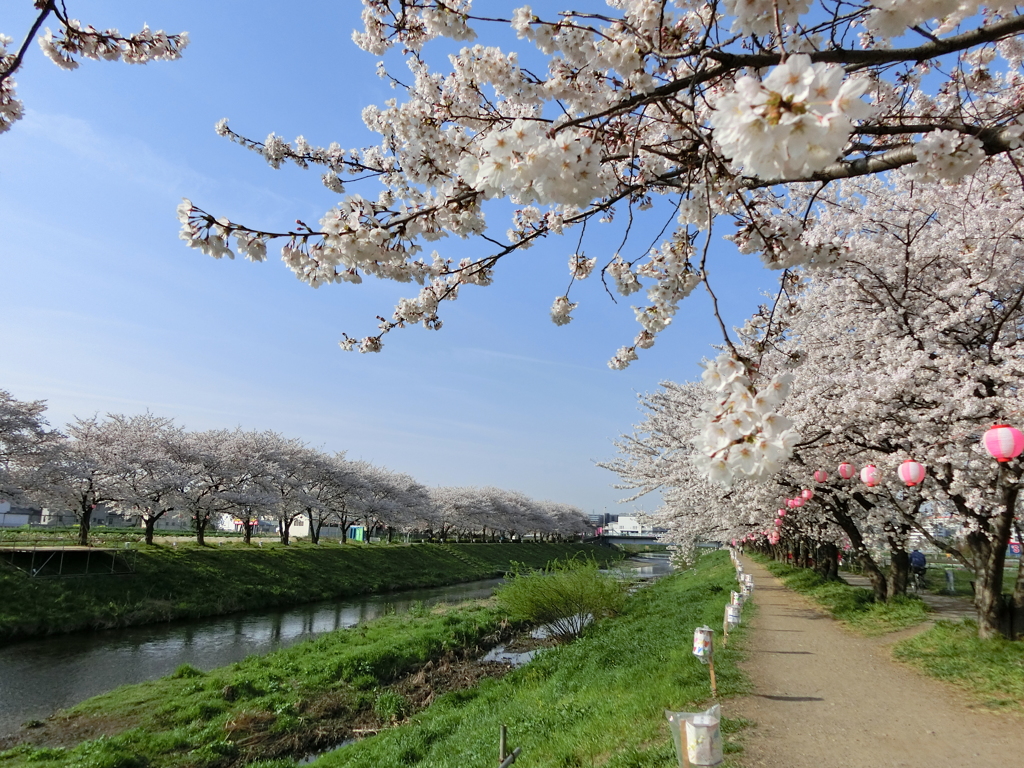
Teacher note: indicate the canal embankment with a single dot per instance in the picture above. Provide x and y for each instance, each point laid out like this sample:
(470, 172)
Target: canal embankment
(187, 581)
(411, 680)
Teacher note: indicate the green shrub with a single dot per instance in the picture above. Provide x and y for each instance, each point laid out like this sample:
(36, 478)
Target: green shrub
(185, 671)
(390, 706)
(565, 596)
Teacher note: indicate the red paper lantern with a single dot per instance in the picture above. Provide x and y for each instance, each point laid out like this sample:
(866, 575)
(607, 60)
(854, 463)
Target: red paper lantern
(911, 472)
(820, 476)
(846, 470)
(869, 476)
(1003, 442)
(806, 494)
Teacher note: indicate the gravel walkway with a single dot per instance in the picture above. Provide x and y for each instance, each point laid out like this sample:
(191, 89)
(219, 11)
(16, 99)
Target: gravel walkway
(827, 698)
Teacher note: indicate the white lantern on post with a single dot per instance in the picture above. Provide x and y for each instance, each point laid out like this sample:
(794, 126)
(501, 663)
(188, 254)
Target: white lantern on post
(704, 643)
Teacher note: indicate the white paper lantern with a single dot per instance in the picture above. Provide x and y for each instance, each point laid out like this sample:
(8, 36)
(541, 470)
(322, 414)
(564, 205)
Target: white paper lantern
(704, 740)
(704, 643)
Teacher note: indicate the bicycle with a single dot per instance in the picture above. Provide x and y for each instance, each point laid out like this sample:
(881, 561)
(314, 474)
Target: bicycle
(917, 580)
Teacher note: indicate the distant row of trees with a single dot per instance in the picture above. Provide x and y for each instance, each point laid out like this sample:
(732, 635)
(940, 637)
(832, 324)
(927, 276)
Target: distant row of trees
(148, 466)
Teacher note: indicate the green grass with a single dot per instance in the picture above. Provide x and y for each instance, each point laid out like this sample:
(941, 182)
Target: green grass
(962, 578)
(992, 671)
(597, 701)
(202, 720)
(854, 606)
(189, 581)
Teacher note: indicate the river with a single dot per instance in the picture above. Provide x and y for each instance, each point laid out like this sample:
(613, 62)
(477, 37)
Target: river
(40, 676)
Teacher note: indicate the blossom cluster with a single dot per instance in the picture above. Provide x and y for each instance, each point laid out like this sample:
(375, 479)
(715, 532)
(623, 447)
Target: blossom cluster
(524, 163)
(109, 45)
(743, 434)
(946, 156)
(11, 108)
(793, 123)
(764, 17)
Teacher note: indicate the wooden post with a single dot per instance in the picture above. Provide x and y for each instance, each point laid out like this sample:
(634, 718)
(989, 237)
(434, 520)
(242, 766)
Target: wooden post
(502, 744)
(714, 684)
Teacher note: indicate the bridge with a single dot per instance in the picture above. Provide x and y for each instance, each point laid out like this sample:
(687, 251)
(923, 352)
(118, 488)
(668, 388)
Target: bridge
(610, 539)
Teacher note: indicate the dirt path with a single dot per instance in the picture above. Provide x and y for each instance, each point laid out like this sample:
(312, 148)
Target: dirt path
(825, 697)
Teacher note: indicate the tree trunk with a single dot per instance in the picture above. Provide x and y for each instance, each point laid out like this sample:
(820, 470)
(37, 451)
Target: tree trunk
(201, 524)
(828, 561)
(899, 570)
(150, 523)
(391, 534)
(247, 525)
(284, 528)
(989, 549)
(1018, 592)
(84, 524)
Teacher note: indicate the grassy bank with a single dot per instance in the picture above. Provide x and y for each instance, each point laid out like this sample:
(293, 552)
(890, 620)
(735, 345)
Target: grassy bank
(992, 671)
(309, 694)
(188, 581)
(854, 606)
(597, 701)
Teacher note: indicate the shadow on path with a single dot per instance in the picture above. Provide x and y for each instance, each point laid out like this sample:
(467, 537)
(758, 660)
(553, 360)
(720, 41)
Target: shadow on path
(823, 697)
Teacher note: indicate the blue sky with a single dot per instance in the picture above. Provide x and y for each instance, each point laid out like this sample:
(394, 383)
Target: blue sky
(105, 310)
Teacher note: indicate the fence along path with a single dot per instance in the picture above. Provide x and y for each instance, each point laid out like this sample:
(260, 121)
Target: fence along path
(824, 697)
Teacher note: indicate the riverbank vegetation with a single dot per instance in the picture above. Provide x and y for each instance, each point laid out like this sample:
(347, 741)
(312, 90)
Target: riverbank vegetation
(302, 698)
(188, 581)
(565, 596)
(597, 700)
(854, 606)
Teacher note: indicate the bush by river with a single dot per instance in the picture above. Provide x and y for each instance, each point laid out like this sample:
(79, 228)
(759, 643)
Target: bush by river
(188, 581)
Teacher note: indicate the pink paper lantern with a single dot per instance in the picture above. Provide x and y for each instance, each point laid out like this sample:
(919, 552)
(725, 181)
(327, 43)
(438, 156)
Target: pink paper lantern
(806, 494)
(847, 470)
(869, 476)
(778, 522)
(911, 472)
(782, 513)
(1003, 442)
(820, 476)
(797, 502)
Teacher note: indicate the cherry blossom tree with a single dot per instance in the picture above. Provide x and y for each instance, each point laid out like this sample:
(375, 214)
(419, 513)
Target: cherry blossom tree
(80, 472)
(905, 348)
(222, 476)
(24, 438)
(387, 499)
(334, 485)
(74, 41)
(148, 477)
(672, 116)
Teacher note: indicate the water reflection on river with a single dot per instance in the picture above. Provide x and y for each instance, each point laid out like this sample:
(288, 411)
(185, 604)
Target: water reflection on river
(38, 677)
